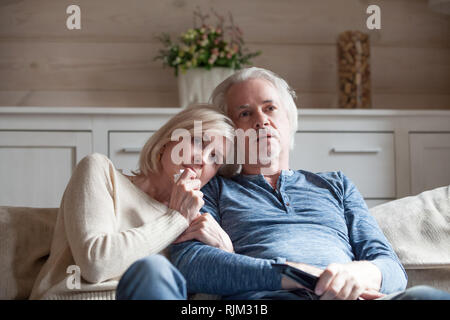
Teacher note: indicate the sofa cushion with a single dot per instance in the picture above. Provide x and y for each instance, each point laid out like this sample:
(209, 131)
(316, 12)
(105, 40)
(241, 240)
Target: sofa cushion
(418, 227)
(438, 278)
(25, 239)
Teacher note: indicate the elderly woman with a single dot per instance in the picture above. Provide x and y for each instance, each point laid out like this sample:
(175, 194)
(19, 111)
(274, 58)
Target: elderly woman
(107, 220)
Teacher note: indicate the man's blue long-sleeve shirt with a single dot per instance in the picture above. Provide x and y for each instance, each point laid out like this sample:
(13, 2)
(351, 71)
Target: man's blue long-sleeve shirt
(312, 218)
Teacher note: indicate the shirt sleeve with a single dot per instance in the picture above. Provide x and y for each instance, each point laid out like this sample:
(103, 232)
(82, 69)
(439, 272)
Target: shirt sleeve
(214, 271)
(368, 241)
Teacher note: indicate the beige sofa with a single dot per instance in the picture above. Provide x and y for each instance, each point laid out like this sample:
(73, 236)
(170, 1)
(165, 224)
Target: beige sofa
(418, 228)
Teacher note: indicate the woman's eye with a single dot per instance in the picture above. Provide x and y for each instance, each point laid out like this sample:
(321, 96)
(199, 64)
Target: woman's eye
(271, 108)
(213, 155)
(216, 158)
(197, 140)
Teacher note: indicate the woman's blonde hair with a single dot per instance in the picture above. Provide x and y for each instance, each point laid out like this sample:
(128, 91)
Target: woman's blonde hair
(213, 120)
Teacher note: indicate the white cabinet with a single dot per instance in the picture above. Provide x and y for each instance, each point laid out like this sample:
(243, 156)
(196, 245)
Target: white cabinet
(124, 148)
(36, 166)
(430, 160)
(388, 154)
(368, 159)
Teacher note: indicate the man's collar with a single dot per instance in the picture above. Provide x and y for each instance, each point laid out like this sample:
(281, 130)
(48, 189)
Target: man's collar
(287, 173)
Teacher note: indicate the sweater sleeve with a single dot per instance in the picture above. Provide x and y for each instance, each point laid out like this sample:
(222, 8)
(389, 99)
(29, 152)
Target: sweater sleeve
(89, 211)
(368, 241)
(214, 271)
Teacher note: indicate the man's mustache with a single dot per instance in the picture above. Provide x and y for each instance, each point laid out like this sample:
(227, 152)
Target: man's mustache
(263, 133)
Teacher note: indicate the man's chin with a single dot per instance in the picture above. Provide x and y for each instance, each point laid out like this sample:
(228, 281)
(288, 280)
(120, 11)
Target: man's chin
(268, 160)
(272, 153)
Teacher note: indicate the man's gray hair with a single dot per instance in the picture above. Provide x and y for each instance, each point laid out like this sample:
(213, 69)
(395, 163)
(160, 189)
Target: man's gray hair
(287, 95)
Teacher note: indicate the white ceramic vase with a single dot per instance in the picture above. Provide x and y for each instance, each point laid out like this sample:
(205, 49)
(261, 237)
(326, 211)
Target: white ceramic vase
(197, 84)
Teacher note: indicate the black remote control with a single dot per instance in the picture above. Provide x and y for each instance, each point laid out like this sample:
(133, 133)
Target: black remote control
(307, 280)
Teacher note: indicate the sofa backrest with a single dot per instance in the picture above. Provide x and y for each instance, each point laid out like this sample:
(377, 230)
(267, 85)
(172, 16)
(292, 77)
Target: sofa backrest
(25, 240)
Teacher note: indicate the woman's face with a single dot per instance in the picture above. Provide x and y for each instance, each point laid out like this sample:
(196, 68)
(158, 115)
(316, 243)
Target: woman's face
(204, 157)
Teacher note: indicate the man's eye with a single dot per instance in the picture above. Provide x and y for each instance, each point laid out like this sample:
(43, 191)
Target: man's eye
(244, 114)
(271, 108)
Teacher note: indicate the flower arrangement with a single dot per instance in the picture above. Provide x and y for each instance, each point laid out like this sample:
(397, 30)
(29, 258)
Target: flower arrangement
(206, 46)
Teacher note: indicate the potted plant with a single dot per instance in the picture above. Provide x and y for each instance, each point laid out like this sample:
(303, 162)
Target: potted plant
(204, 56)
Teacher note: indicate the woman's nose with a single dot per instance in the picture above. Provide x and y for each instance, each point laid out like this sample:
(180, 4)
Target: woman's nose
(197, 155)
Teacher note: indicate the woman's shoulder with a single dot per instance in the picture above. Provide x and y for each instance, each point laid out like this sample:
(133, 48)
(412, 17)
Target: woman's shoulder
(94, 163)
(92, 173)
(95, 159)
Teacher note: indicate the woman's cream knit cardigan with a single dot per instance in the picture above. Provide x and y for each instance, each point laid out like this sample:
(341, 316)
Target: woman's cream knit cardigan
(104, 224)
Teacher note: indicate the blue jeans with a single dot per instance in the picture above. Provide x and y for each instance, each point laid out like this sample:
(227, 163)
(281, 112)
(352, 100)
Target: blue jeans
(413, 293)
(152, 278)
(155, 278)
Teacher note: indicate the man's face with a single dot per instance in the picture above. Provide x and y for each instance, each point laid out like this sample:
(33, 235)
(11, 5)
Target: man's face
(255, 104)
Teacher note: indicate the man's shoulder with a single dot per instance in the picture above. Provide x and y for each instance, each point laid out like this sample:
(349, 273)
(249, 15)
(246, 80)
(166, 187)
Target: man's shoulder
(335, 180)
(332, 176)
(217, 182)
(332, 180)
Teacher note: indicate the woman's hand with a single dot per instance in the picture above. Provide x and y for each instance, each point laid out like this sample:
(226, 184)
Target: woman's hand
(206, 229)
(186, 196)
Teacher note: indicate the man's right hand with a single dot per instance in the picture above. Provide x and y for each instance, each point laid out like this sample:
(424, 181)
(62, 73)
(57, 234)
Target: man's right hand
(351, 289)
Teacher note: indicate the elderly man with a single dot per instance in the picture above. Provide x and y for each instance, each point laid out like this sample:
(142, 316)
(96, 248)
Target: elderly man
(317, 222)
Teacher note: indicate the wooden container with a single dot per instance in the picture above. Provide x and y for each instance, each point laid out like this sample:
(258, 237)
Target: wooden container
(354, 70)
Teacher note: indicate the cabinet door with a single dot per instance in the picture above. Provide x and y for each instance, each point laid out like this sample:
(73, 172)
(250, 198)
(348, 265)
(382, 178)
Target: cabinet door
(430, 161)
(368, 159)
(36, 166)
(124, 148)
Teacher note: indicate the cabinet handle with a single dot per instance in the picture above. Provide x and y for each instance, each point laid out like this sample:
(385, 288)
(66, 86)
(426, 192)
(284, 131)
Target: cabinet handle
(368, 150)
(131, 150)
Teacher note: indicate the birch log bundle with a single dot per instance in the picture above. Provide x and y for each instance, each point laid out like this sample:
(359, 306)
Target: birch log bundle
(354, 70)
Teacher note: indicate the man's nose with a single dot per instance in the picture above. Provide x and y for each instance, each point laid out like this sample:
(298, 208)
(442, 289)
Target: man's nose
(260, 121)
